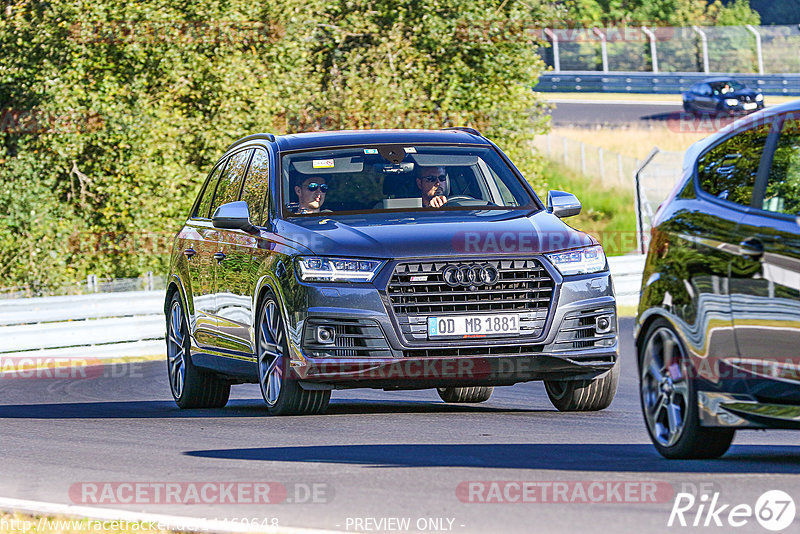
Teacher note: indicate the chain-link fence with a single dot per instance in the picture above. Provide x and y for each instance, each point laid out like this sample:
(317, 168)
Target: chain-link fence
(654, 181)
(92, 284)
(729, 49)
(611, 169)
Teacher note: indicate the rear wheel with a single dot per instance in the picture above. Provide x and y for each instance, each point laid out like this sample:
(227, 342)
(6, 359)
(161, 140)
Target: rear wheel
(466, 395)
(191, 387)
(669, 399)
(283, 395)
(584, 395)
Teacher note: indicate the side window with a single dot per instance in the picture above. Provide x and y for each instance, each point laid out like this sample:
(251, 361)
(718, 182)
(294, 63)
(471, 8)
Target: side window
(256, 186)
(783, 183)
(728, 171)
(706, 90)
(208, 192)
(230, 181)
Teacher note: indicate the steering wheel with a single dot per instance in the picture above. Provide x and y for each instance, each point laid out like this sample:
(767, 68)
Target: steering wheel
(465, 200)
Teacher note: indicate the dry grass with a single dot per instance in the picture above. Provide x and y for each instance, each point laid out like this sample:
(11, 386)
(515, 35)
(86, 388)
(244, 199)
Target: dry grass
(635, 142)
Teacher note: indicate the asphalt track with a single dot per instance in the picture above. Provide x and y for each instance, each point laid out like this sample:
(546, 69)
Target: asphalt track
(375, 457)
(614, 113)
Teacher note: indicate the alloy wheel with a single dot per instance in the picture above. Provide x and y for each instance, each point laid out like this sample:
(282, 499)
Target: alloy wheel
(665, 387)
(270, 352)
(176, 350)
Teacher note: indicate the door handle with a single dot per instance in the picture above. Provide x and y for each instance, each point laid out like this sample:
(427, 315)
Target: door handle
(189, 253)
(219, 256)
(751, 247)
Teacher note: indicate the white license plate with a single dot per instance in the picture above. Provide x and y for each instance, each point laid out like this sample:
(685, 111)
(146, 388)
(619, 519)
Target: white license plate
(506, 324)
(750, 105)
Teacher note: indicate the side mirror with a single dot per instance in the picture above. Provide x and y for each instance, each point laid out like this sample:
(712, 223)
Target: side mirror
(233, 216)
(563, 204)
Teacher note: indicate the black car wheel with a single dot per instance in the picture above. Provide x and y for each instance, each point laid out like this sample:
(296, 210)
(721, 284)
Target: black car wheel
(465, 395)
(191, 387)
(689, 108)
(283, 395)
(669, 399)
(584, 395)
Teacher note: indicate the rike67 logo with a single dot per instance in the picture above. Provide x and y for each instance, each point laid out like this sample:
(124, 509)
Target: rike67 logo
(774, 510)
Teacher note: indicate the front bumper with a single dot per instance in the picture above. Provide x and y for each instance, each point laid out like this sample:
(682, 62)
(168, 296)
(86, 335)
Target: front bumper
(569, 347)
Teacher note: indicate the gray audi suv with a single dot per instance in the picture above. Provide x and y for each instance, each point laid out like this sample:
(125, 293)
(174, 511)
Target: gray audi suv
(393, 259)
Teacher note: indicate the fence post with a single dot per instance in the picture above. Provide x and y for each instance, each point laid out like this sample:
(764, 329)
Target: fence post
(759, 53)
(583, 159)
(653, 50)
(602, 167)
(554, 39)
(704, 41)
(620, 173)
(91, 283)
(566, 149)
(150, 282)
(603, 48)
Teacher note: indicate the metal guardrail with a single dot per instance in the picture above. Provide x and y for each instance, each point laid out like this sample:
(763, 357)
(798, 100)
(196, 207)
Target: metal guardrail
(666, 83)
(132, 323)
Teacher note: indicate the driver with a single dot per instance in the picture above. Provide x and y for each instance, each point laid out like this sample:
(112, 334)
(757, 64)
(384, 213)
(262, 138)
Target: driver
(311, 193)
(432, 183)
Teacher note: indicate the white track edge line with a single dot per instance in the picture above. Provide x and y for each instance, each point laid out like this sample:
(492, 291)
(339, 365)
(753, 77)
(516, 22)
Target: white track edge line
(172, 522)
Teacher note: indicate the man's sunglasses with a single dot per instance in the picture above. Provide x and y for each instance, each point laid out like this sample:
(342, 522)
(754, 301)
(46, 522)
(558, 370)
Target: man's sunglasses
(441, 178)
(313, 186)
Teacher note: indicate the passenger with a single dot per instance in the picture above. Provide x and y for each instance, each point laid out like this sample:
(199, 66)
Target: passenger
(310, 193)
(432, 183)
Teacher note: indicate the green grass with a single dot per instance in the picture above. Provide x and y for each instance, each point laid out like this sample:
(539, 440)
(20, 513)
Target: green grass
(607, 214)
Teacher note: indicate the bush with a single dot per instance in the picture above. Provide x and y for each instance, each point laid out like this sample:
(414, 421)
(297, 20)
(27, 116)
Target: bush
(113, 112)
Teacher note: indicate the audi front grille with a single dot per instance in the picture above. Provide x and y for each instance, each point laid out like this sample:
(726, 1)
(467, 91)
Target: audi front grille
(419, 289)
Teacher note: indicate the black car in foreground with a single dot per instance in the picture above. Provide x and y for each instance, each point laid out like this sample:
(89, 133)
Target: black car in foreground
(722, 96)
(384, 259)
(718, 330)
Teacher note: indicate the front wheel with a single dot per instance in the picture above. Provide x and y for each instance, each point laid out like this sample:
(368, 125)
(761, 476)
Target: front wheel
(465, 395)
(191, 387)
(584, 395)
(283, 395)
(669, 399)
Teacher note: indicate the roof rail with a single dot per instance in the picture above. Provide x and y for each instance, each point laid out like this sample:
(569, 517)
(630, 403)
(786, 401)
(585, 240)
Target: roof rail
(467, 129)
(268, 136)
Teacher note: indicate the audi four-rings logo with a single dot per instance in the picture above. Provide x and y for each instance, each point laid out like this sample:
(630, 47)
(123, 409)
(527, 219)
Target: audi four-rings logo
(470, 275)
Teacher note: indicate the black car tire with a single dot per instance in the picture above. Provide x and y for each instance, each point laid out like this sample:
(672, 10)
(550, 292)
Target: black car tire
(584, 395)
(283, 395)
(694, 441)
(689, 108)
(191, 387)
(465, 395)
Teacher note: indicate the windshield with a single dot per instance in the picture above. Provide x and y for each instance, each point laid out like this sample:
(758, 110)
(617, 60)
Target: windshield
(399, 178)
(724, 88)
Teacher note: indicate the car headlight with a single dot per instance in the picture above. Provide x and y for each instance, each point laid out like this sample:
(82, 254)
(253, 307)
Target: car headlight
(321, 269)
(579, 261)
(731, 101)
(759, 98)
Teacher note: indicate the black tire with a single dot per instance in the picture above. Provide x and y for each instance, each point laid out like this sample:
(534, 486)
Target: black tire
(190, 386)
(688, 108)
(470, 394)
(584, 395)
(283, 395)
(688, 440)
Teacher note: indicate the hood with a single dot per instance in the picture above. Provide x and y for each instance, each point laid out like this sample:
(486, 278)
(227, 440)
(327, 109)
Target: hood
(408, 235)
(743, 94)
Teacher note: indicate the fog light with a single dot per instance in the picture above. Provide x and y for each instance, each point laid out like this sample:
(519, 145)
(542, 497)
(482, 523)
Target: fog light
(325, 335)
(603, 324)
